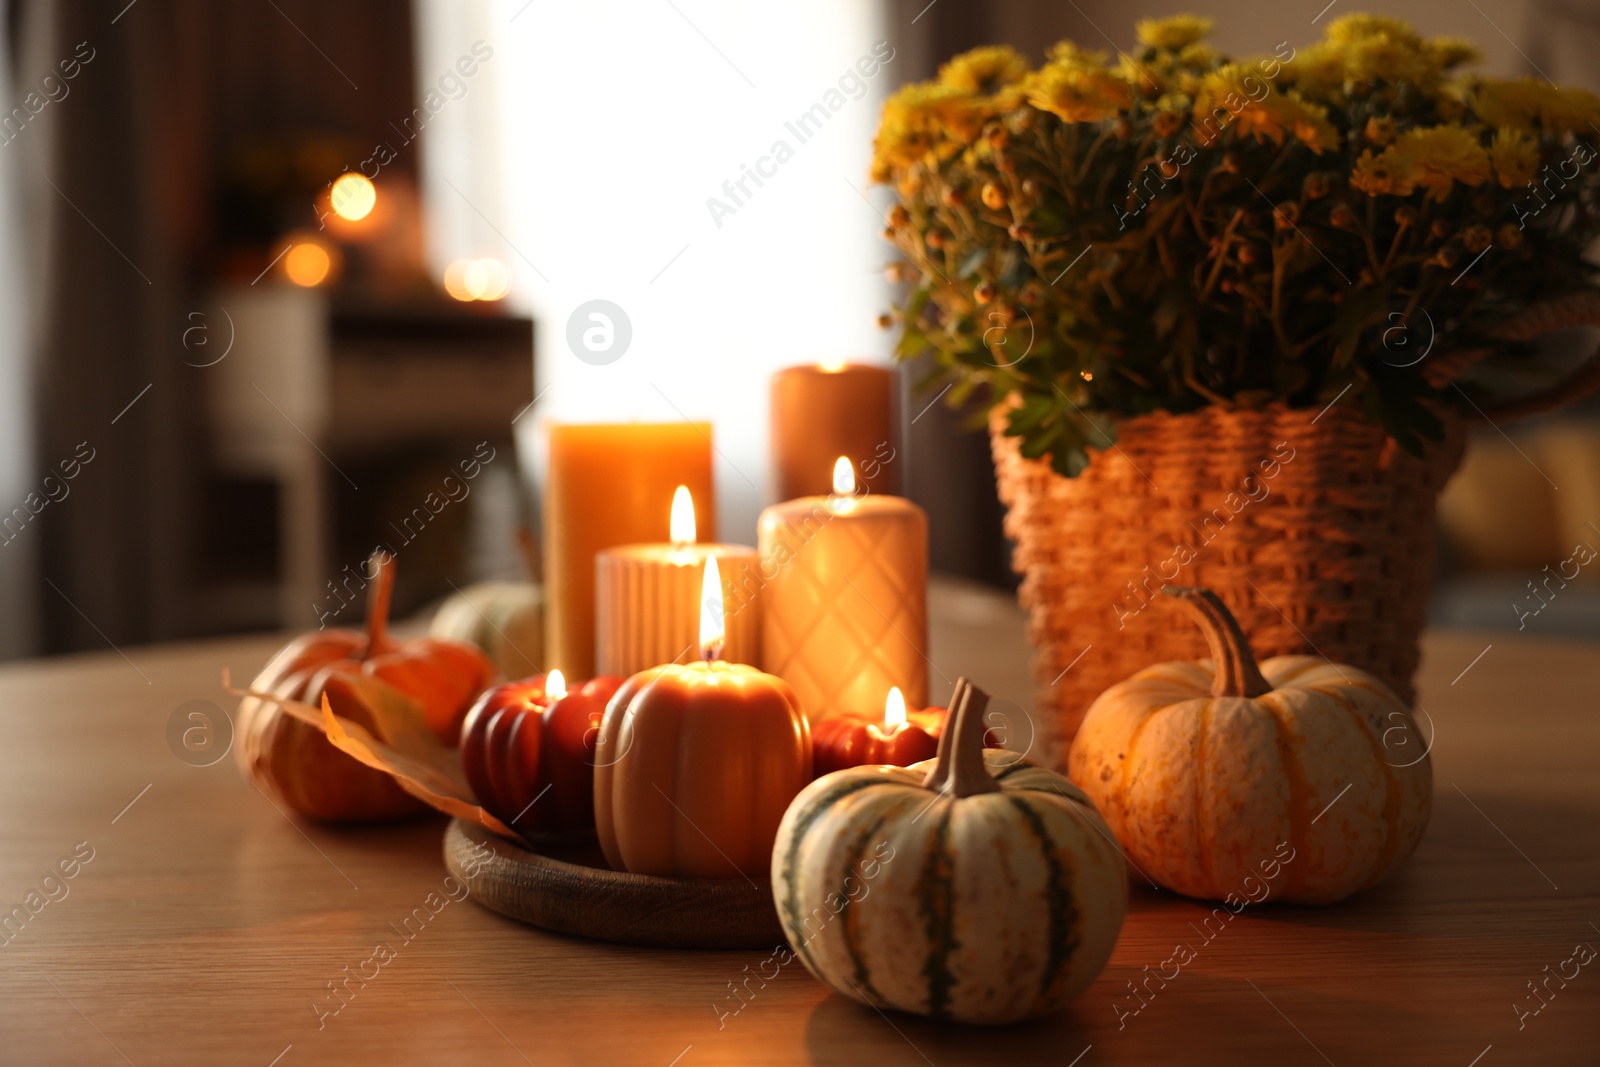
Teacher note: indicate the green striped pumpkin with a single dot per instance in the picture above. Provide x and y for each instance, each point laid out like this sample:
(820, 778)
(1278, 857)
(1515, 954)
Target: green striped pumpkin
(981, 907)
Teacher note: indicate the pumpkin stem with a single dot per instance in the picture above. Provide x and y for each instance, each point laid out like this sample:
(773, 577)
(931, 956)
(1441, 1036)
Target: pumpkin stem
(1237, 673)
(378, 603)
(959, 769)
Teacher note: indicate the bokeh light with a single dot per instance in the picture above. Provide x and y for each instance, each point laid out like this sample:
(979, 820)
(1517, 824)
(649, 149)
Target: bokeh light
(477, 279)
(307, 264)
(353, 197)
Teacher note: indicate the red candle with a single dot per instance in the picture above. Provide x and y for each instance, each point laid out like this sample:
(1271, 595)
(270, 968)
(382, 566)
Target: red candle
(524, 740)
(903, 738)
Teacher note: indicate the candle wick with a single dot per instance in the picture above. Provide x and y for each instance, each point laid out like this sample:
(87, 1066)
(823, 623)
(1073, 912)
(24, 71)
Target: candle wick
(711, 652)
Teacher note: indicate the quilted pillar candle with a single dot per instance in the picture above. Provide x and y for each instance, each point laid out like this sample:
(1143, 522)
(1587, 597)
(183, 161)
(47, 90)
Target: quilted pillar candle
(844, 598)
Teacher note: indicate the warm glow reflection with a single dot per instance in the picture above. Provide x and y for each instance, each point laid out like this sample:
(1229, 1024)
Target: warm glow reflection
(477, 279)
(353, 197)
(682, 521)
(894, 709)
(555, 685)
(711, 628)
(832, 366)
(844, 477)
(307, 264)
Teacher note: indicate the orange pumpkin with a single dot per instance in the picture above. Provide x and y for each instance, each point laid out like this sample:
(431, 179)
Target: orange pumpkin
(1296, 779)
(295, 762)
(694, 767)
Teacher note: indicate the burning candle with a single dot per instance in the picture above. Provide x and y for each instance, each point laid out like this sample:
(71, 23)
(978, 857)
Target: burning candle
(696, 762)
(906, 736)
(609, 485)
(648, 597)
(524, 740)
(841, 741)
(844, 597)
(823, 411)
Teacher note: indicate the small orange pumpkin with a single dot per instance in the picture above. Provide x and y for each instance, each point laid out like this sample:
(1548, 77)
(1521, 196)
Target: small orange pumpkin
(1205, 770)
(295, 762)
(694, 767)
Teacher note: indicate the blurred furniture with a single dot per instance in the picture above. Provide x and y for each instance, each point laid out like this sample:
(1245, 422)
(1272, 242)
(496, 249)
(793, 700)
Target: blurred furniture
(1520, 525)
(316, 398)
(204, 875)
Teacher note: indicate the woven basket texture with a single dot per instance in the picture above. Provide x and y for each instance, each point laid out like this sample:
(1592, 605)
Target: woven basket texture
(1314, 528)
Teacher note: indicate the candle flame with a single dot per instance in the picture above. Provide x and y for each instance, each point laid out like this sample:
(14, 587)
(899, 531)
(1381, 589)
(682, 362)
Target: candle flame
(555, 685)
(681, 524)
(832, 366)
(894, 709)
(844, 477)
(711, 628)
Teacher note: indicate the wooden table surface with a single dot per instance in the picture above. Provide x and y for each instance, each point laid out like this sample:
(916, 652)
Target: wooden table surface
(207, 925)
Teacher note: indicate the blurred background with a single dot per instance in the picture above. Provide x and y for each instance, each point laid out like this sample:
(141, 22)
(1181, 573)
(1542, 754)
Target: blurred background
(271, 269)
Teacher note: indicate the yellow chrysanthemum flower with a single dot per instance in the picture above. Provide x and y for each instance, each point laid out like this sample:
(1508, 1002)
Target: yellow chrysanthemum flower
(1173, 33)
(1514, 156)
(1235, 80)
(1317, 72)
(1451, 52)
(923, 120)
(1349, 29)
(1198, 56)
(1524, 103)
(1245, 97)
(1381, 57)
(1311, 126)
(1068, 54)
(1513, 104)
(1569, 109)
(1078, 94)
(1381, 174)
(1436, 156)
(984, 71)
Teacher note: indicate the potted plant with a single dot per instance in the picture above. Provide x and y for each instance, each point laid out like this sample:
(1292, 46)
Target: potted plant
(1232, 317)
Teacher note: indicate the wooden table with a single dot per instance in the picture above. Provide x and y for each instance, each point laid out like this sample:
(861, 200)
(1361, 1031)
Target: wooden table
(207, 924)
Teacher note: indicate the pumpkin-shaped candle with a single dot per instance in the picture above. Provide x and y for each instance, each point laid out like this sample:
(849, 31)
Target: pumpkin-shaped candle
(526, 739)
(841, 741)
(696, 763)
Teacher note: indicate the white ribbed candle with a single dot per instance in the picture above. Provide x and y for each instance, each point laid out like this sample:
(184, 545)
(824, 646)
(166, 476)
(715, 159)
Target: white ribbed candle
(647, 606)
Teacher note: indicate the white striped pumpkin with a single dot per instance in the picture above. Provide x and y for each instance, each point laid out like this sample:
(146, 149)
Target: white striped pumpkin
(902, 888)
(1206, 769)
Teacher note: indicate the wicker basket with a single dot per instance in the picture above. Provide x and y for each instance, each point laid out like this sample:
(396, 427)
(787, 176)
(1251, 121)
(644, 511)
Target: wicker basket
(1315, 529)
(1329, 552)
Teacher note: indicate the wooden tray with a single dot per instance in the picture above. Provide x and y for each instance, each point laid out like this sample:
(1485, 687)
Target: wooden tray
(566, 887)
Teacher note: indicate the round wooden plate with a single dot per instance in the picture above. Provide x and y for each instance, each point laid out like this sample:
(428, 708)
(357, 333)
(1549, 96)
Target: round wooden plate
(567, 888)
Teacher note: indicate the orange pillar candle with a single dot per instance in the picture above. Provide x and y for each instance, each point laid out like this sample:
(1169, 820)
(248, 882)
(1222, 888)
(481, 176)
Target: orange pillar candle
(823, 411)
(844, 598)
(647, 599)
(609, 485)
